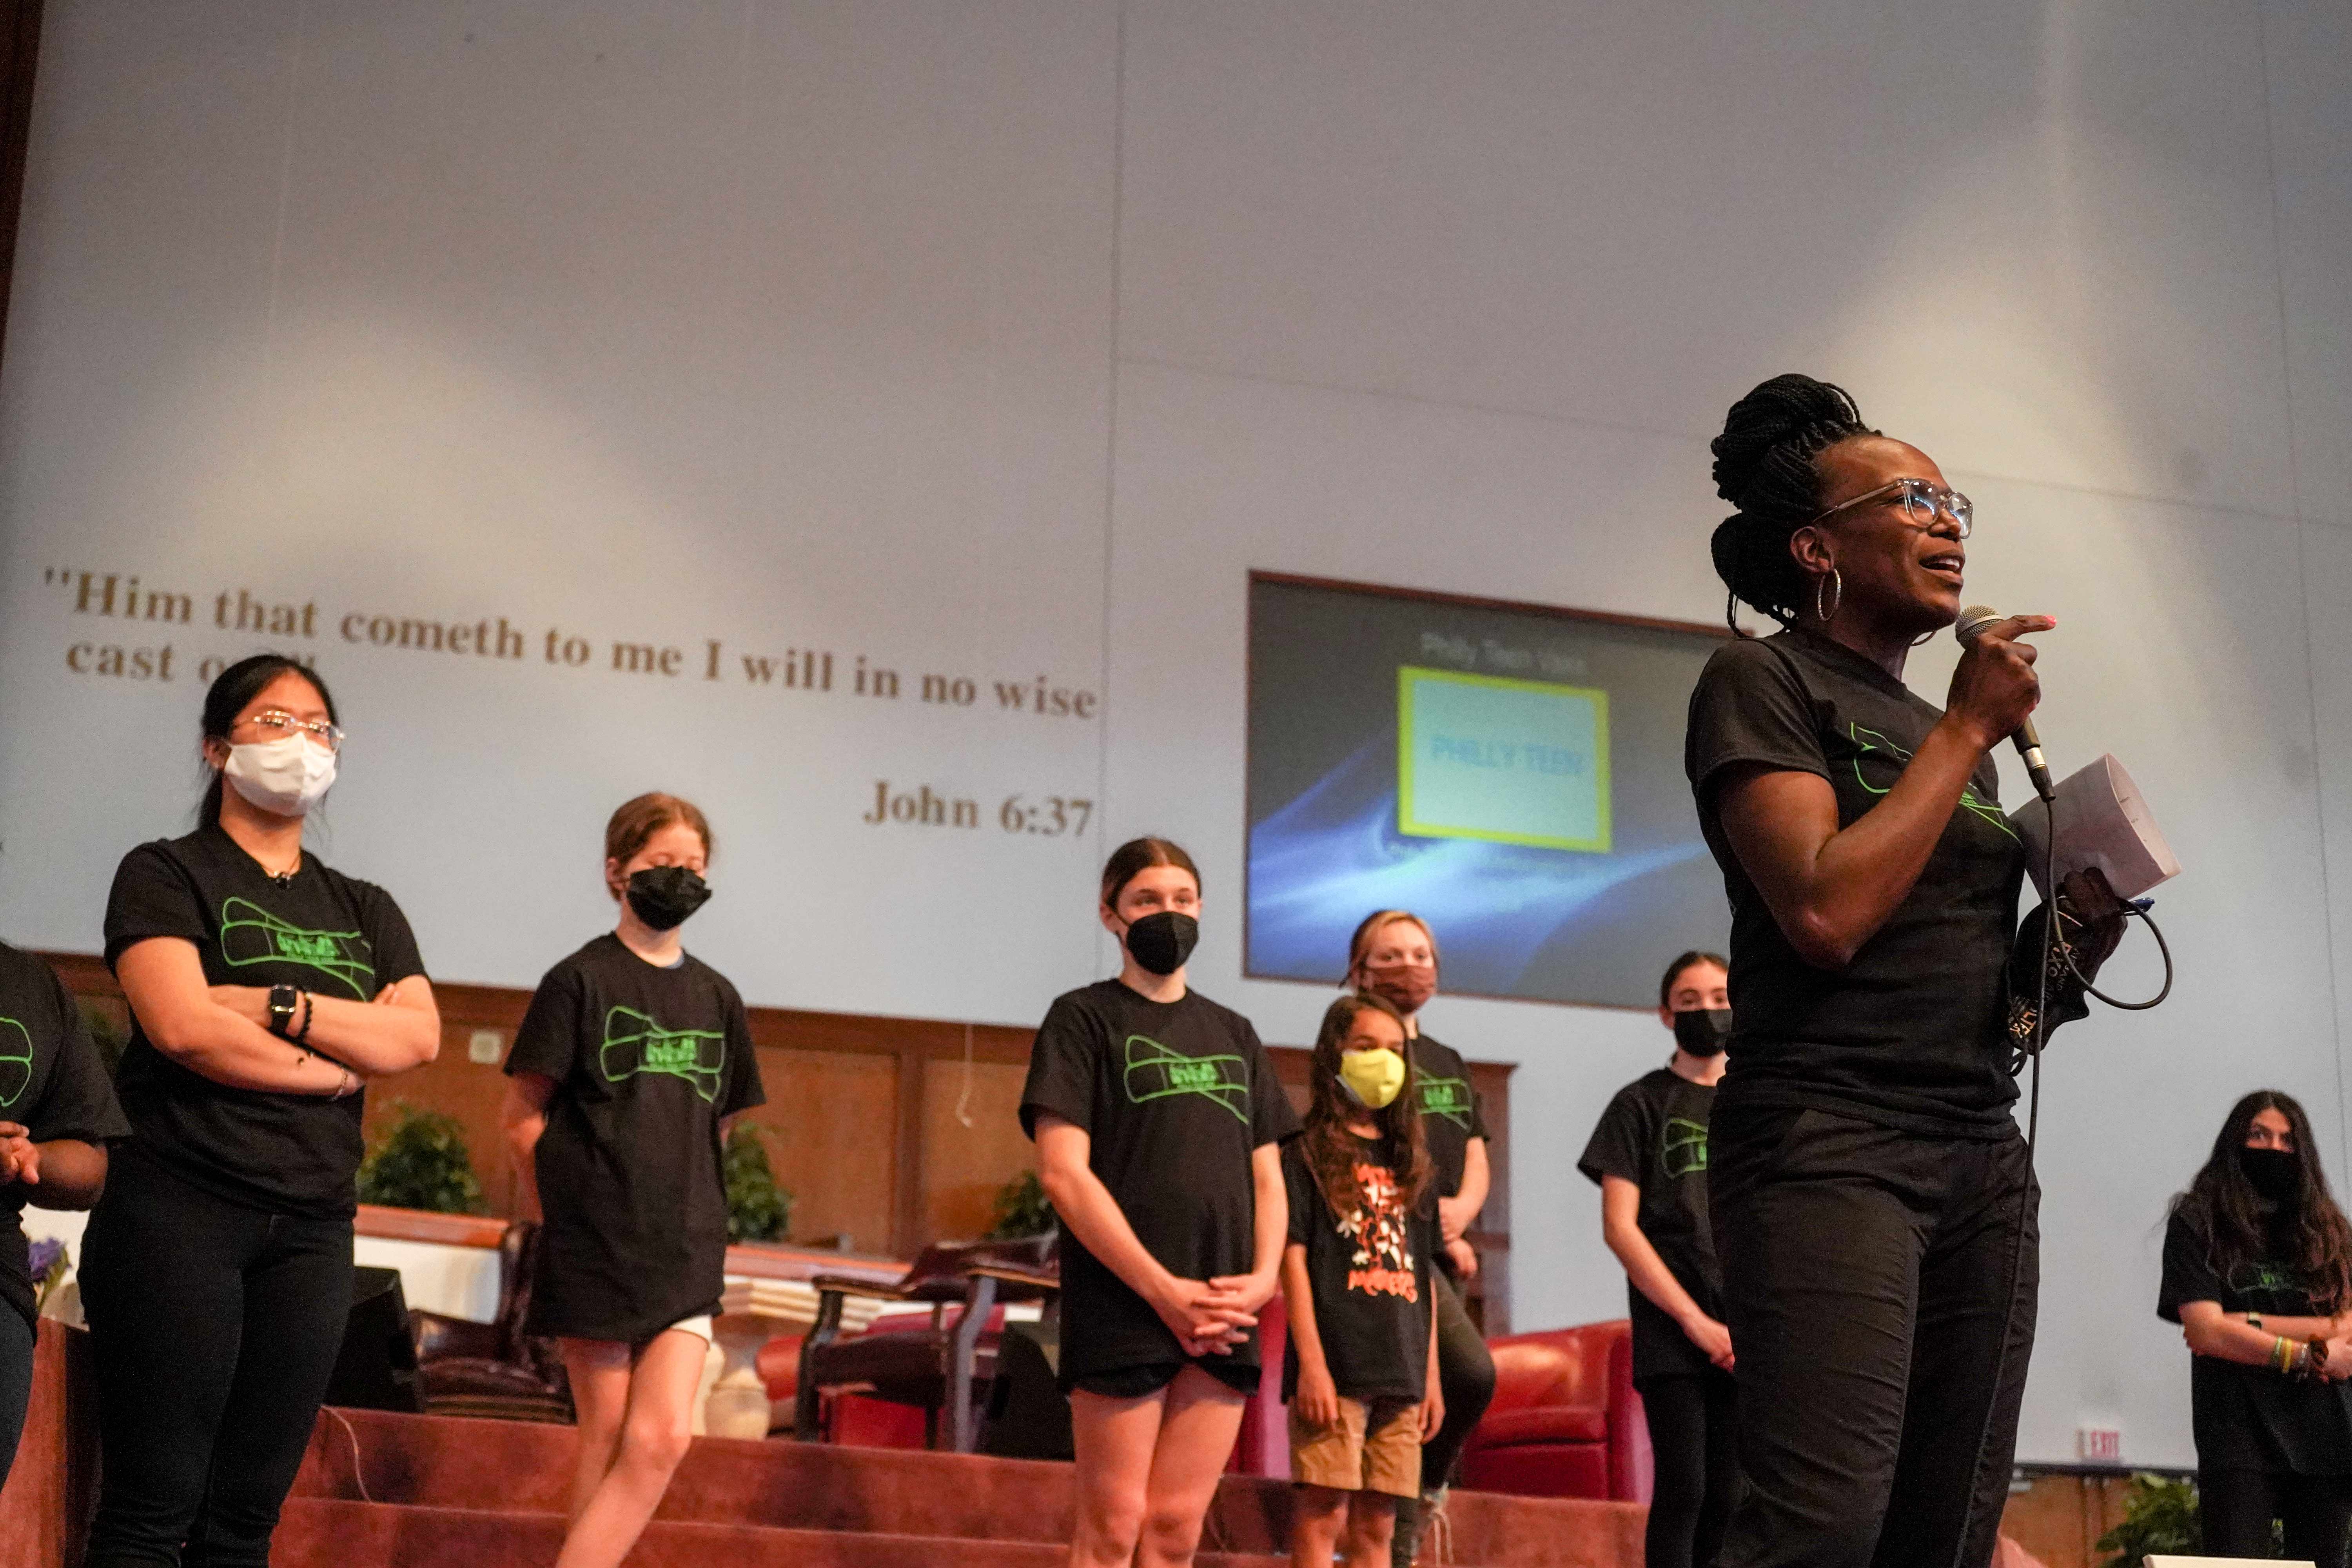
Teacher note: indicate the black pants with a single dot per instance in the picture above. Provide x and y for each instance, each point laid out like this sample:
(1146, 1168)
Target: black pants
(15, 1382)
(1695, 1453)
(2237, 1507)
(1465, 1376)
(1879, 1289)
(215, 1328)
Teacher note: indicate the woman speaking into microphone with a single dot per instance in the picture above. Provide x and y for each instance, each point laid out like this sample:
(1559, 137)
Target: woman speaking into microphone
(1873, 1202)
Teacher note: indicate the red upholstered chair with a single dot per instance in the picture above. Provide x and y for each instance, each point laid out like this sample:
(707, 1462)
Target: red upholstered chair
(1565, 1421)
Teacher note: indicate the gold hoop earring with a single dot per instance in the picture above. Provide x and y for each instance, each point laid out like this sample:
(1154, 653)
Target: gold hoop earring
(1836, 600)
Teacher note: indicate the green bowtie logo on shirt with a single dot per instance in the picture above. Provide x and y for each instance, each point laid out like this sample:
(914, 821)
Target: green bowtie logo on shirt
(251, 934)
(1155, 1072)
(15, 1060)
(1683, 1149)
(635, 1044)
(1870, 740)
(1446, 1096)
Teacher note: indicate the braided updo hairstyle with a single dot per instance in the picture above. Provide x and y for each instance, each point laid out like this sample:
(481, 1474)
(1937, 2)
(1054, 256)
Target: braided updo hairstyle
(1764, 466)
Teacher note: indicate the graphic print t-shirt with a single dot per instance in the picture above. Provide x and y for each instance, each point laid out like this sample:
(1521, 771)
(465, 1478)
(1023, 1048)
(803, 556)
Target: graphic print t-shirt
(632, 1181)
(1175, 1098)
(53, 1084)
(320, 932)
(1368, 1271)
(1653, 1134)
(2249, 1417)
(1912, 1034)
(1451, 1112)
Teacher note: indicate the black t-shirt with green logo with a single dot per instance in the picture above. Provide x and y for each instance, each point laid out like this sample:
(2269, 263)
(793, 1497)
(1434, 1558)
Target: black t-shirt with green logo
(1451, 1112)
(1175, 1098)
(1913, 1032)
(646, 1061)
(1653, 1134)
(319, 930)
(1368, 1269)
(53, 1084)
(2250, 1417)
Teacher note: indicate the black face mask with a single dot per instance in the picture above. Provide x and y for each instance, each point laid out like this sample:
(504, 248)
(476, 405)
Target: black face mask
(663, 896)
(2276, 1173)
(1703, 1031)
(1161, 942)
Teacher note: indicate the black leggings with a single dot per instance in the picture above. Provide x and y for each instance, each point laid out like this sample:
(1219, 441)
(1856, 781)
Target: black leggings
(2237, 1507)
(200, 1440)
(1465, 1376)
(1694, 1448)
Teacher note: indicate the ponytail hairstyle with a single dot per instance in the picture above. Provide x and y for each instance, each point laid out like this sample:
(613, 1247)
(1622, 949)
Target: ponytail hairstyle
(1138, 856)
(1764, 465)
(2240, 1229)
(632, 826)
(1692, 959)
(1329, 1147)
(232, 690)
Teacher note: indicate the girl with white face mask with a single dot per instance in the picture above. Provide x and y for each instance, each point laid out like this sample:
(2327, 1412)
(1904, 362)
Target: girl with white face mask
(266, 989)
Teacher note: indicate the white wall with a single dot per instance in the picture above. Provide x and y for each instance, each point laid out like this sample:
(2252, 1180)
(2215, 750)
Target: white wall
(1012, 336)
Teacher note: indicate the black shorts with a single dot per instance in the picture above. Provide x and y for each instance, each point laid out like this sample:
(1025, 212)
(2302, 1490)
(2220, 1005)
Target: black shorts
(1135, 1381)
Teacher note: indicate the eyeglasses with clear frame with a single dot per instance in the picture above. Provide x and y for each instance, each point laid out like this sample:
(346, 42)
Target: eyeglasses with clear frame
(1922, 503)
(276, 725)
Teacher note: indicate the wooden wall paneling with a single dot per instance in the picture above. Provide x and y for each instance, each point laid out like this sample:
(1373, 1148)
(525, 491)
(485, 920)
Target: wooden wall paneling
(964, 1167)
(829, 1122)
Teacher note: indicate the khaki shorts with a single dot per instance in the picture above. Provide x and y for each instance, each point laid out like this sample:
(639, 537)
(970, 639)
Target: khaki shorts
(1373, 1446)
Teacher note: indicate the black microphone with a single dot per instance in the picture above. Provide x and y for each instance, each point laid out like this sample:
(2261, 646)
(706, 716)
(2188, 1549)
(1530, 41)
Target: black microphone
(1972, 625)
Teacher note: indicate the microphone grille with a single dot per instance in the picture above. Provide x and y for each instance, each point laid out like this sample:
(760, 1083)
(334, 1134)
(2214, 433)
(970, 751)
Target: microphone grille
(1973, 621)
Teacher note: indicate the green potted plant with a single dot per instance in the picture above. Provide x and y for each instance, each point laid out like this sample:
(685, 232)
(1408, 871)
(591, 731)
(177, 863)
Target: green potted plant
(2159, 1517)
(1021, 1209)
(757, 1209)
(422, 1163)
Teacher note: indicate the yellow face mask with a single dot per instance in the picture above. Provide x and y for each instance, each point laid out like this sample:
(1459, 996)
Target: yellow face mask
(1373, 1078)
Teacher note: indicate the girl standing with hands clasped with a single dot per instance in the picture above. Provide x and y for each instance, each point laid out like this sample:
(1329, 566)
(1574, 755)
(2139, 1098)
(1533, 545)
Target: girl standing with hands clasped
(264, 988)
(1361, 1370)
(2258, 1274)
(58, 1113)
(1157, 1119)
(629, 1064)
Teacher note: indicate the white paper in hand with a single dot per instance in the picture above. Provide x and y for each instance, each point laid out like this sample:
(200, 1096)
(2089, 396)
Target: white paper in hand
(2102, 822)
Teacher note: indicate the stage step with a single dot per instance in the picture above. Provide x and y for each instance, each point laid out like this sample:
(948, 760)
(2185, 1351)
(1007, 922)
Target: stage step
(316, 1530)
(410, 1477)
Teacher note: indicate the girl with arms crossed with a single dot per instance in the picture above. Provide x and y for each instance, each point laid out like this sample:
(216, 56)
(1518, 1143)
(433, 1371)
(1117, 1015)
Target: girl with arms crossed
(264, 989)
(632, 1059)
(1158, 1118)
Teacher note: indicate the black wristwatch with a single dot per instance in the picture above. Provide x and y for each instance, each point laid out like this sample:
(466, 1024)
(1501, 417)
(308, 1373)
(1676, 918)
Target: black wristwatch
(282, 999)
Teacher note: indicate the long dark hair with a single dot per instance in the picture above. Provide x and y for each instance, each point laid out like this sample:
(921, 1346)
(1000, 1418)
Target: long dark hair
(1764, 466)
(231, 690)
(2241, 1228)
(1329, 1147)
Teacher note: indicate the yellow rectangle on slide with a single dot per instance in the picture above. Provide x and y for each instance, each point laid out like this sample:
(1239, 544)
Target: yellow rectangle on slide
(1513, 762)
